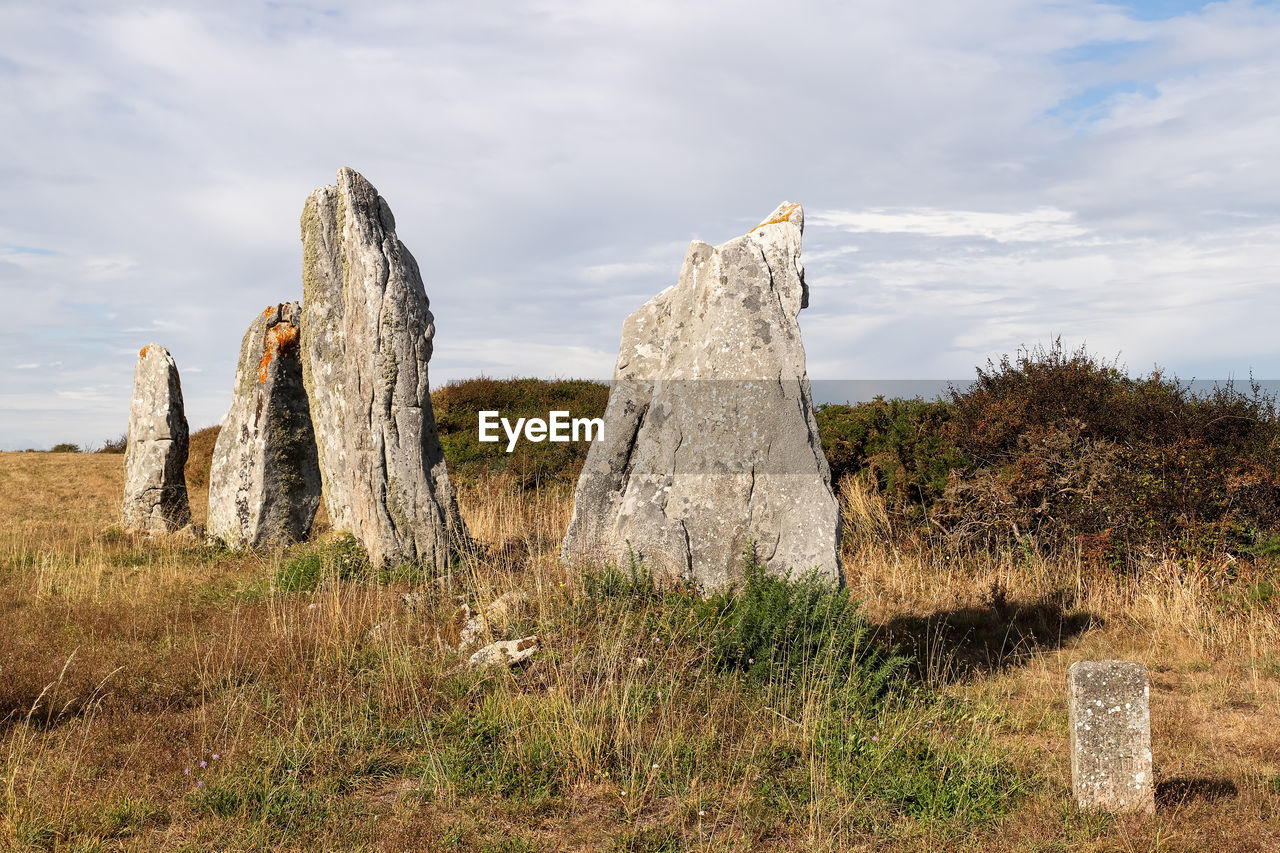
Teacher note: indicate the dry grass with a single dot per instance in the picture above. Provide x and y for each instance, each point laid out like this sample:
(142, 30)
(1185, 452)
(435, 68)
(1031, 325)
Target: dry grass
(340, 722)
(1001, 631)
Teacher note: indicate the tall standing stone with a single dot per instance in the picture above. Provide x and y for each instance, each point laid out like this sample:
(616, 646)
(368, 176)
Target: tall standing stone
(710, 444)
(1109, 709)
(366, 339)
(264, 481)
(155, 484)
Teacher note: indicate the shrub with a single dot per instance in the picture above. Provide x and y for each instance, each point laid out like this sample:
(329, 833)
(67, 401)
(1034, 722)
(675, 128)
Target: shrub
(899, 447)
(65, 447)
(115, 445)
(1057, 449)
(457, 410)
(777, 629)
(200, 456)
(1067, 449)
(340, 557)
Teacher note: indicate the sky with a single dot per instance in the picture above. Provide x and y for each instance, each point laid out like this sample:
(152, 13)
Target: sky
(977, 176)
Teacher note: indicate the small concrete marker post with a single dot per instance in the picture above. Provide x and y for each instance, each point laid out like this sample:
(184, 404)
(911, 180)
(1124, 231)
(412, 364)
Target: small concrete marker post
(1109, 704)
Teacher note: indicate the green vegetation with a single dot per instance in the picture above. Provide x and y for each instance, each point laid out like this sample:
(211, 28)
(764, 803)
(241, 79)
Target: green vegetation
(902, 448)
(1054, 449)
(200, 457)
(340, 557)
(776, 630)
(804, 650)
(115, 445)
(457, 410)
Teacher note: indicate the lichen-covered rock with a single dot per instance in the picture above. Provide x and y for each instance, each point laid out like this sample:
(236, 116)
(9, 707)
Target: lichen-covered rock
(465, 630)
(505, 652)
(366, 341)
(1109, 714)
(264, 481)
(710, 446)
(155, 484)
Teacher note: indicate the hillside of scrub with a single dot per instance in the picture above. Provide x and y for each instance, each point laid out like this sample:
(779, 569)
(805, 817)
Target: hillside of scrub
(457, 408)
(163, 695)
(1049, 450)
(1057, 451)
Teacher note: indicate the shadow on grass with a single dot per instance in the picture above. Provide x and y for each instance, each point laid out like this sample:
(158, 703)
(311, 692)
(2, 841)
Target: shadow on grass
(955, 645)
(1182, 790)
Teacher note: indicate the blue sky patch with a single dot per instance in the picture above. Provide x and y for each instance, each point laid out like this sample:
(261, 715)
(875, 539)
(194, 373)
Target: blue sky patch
(1160, 10)
(1099, 52)
(1093, 104)
(25, 250)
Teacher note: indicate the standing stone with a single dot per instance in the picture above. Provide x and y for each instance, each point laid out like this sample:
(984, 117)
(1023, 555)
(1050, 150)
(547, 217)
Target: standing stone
(710, 446)
(155, 484)
(264, 481)
(366, 341)
(1110, 719)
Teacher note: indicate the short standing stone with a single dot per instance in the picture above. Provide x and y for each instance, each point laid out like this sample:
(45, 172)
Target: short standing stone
(1110, 719)
(366, 339)
(155, 484)
(264, 481)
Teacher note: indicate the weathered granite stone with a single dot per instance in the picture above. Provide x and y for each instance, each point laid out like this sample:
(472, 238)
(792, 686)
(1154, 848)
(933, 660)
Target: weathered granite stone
(155, 484)
(505, 652)
(465, 630)
(710, 444)
(1110, 720)
(264, 481)
(366, 341)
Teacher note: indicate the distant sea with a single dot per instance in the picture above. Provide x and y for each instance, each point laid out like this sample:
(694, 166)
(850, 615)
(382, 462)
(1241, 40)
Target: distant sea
(863, 390)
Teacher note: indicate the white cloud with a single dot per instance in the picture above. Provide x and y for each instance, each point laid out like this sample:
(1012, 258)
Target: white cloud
(1037, 225)
(109, 267)
(978, 176)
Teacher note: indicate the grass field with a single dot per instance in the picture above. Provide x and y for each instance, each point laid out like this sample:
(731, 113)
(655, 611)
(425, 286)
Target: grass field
(162, 695)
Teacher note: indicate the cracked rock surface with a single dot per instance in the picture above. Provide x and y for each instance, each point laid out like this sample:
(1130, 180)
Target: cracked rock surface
(155, 484)
(366, 339)
(710, 446)
(264, 480)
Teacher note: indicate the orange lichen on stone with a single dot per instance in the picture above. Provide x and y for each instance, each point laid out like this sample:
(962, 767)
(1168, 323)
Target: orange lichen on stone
(280, 339)
(271, 309)
(785, 216)
(142, 353)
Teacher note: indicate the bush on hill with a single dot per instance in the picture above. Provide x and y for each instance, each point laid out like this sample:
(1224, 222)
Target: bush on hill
(1055, 449)
(200, 456)
(457, 409)
(115, 445)
(900, 447)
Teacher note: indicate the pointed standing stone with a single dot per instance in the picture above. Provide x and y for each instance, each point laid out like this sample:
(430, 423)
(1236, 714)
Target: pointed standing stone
(1109, 710)
(155, 484)
(710, 444)
(366, 341)
(264, 481)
